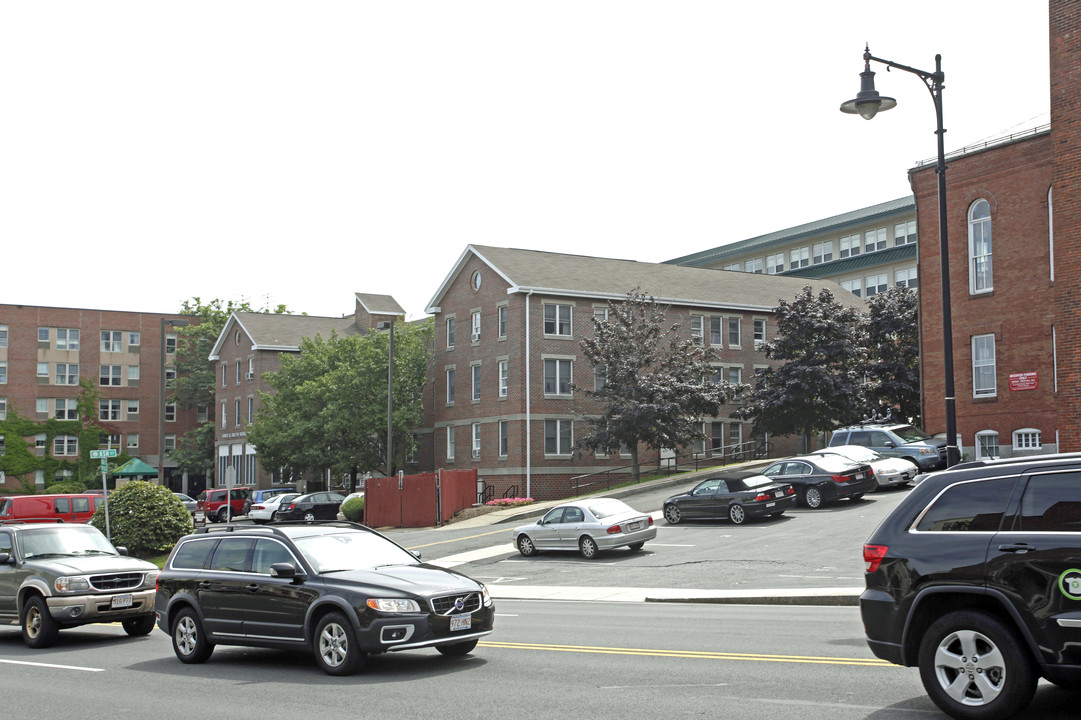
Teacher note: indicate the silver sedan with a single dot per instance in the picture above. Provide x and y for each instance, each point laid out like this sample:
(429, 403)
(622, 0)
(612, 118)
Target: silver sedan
(587, 526)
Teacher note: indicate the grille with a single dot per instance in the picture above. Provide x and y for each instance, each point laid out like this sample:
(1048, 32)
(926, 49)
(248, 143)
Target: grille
(449, 604)
(116, 581)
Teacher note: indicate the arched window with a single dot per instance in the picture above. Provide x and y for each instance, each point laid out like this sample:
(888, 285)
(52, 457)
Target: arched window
(979, 247)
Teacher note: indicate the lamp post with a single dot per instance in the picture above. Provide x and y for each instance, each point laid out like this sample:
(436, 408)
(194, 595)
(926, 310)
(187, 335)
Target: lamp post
(869, 103)
(389, 325)
(174, 322)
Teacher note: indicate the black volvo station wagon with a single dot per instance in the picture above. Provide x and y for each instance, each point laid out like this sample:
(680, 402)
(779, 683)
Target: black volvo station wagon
(339, 590)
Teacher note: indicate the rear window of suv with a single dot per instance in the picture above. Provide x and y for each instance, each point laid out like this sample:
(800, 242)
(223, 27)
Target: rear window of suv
(969, 507)
(1052, 503)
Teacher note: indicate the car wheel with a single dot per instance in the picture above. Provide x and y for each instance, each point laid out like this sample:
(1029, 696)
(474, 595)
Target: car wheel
(857, 497)
(974, 667)
(736, 514)
(223, 515)
(812, 497)
(274, 516)
(672, 515)
(189, 640)
(247, 507)
(587, 546)
(336, 647)
(526, 546)
(309, 517)
(458, 649)
(635, 547)
(39, 627)
(137, 626)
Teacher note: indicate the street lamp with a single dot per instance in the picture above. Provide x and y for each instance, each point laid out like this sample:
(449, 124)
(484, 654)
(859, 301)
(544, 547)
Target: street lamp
(389, 325)
(869, 103)
(174, 322)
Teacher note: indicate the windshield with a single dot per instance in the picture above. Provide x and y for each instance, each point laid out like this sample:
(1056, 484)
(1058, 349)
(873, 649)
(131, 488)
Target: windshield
(910, 434)
(61, 542)
(351, 550)
(606, 508)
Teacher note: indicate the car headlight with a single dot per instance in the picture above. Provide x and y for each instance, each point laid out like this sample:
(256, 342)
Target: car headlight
(71, 584)
(928, 451)
(150, 579)
(393, 605)
(485, 597)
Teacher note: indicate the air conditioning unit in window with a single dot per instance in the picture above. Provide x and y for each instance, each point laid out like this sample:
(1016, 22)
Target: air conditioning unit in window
(476, 452)
(476, 337)
(696, 340)
(249, 376)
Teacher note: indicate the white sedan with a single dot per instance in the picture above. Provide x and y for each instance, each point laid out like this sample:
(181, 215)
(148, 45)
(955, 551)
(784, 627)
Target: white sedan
(889, 471)
(587, 526)
(264, 511)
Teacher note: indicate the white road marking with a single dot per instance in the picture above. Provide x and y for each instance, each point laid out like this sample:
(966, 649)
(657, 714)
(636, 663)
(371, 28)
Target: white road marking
(50, 665)
(474, 555)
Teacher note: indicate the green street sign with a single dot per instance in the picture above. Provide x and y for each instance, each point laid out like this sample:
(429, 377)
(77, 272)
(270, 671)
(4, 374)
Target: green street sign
(110, 453)
(104, 465)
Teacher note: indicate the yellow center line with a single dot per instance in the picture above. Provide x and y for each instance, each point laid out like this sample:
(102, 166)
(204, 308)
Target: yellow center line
(691, 654)
(444, 542)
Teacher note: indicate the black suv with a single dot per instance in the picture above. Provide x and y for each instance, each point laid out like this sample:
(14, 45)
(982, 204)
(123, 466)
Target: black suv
(338, 589)
(976, 578)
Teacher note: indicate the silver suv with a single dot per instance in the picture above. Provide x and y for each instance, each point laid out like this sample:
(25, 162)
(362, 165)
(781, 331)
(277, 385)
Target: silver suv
(896, 440)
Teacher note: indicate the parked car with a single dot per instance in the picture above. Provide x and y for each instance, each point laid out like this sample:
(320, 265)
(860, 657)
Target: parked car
(738, 495)
(213, 503)
(267, 510)
(821, 479)
(61, 575)
(189, 502)
(350, 496)
(974, 577)
(258, 496)
(587, 526)
(312, 507)
(889, 471)
(340, 590)
(895, 440)
(67, 508)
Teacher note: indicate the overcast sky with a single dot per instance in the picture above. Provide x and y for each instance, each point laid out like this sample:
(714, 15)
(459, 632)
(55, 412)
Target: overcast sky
(297, 152)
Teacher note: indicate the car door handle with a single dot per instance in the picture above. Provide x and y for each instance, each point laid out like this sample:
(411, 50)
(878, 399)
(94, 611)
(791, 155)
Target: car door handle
(204, 585)
(253, 588)
(1020, 548)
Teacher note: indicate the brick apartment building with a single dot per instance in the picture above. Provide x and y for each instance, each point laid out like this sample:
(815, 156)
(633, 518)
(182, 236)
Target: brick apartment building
(46, 351)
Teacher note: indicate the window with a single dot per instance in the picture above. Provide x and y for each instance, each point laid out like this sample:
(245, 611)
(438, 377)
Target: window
(754, 265)
(67, 339)
(983, 365)
(905, 278)
(904, 233)
(251, 410)
(133, 373)
(476, 440)
(109, 409)
(696, 329)
(733, 266)
(733, 332)
(759, 331)
(600, 377)
(450, 442)
(800, 257)
(3, 373)
(133, 339)
(170, 343)
(775, 264)
(475, 371)
(503, 378)
(43, 335)
(65, 445)
(133, 409)
(3, 408)
(850, 246)
(1052, 503)
(875, 240)
(876, 284)
(112, 341)
(133, 440)
(822, 252)
(450, 332)
(111, 375)
(557, 320)
(557, 377)
(67, 374)
(717, 437)
(1027, 439)
(979, 247)
(109, 441)
(43, 369)
(853, 286)
(450, 386)
(475, 322)
(170, 376)
(202, 412)
(503, 430)
(39, 441)
(170, 412)
(558, 437)
(224, 374)
(170, 442)
(236, 412)
(3, 336)
(735, 376)
(501, 320)
(715, 332)
(66, 409)
(735, 433)
(224, 421)
(969, 507)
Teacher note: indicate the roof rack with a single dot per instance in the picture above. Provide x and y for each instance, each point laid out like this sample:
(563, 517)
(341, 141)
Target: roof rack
(275, 527)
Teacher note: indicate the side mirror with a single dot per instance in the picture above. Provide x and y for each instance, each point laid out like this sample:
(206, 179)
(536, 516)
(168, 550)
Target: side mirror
(6, 559)
(122, 550)
(415, 553)
(283, 570)
(889, 444)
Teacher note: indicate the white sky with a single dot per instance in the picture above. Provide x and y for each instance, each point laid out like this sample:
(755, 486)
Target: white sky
(297, 152)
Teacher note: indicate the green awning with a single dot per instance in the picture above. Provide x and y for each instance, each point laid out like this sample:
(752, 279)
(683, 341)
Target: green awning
(134, 468)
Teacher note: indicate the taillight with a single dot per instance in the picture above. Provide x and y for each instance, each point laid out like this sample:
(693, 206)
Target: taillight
(615, 529)
(291, 506)
(839, 478)
(762, 497)
(650, 519)
(791, 491)
(872, 555)
(256, 507)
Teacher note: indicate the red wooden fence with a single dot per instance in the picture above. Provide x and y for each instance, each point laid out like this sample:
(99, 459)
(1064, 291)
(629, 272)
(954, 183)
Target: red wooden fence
(422, 500)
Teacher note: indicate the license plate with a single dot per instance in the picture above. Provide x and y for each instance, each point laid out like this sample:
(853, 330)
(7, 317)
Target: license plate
(460, 622)
(859, 476)
(120, 601)
(770, 504)
(778, 494)
(633, 526)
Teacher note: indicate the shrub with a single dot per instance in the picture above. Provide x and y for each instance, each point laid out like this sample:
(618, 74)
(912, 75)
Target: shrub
(65, 486)
(353, 509)
(146, 519)
(509, 502)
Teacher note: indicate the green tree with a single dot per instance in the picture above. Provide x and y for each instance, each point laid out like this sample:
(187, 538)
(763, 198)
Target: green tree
(892, 360)
(818, 385)
(656, 385)
(145, 518)
(329, 405)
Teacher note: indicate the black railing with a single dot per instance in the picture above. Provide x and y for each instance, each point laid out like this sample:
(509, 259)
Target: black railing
(511, 492)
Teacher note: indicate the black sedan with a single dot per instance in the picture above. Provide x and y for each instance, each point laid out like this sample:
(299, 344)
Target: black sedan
(820, 479)
(737, 495)
(312, 507)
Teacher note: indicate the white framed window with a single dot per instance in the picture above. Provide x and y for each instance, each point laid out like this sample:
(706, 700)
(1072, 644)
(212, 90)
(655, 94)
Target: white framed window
(775, 264)
(904, 233)
(849, 246)
(476, 440)
(3, 373)
(109, 409)
(3, 336)
(475, 324)
(502, 317)
(600, 313)
(987, 445)
(716, 331)
(170, 412)
(1027, 439)
(504, 386)
(799, 257)
(66, 409)
(237, 374)
(735, 433)
(39, 441)
(3, 408)
(759, 332)
(557, 376)
(133, 440)
(112, 440)
(853, 286)
(874, 240)
(450, 386)
(600, 377)
(503, 435)
(67, 374)
(236, 412)
(754, 265)
(905, 278)
(876, 284)
(112, 341)
(698, 445)
(696, 329)
(251, 410)
(43, 369)
(67, 339)
(224, 419)
(450, 442)
(557, 320)
(475, 371)
(43, 334)
(133, 373)
(822, 252)
(979, 248)
(734, 339)
(111, 375)
(558, 437)
(42, 407)
(983, 365)
(716, 443)
(170, 442)
(133, 339)
(733, 266)
(65, 445)
(202, 413)
(170, 342)
(450, 333)
(133, 410)
(224, 374)
(170, 376)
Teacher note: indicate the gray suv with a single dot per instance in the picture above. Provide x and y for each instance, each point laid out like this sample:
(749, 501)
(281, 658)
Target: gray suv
(60, 575)
(896, 440)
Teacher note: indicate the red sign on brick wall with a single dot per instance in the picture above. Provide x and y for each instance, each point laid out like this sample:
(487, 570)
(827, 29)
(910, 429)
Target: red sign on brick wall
(1024, 381)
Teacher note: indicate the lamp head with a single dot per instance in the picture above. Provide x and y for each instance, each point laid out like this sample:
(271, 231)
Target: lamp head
(868, 102)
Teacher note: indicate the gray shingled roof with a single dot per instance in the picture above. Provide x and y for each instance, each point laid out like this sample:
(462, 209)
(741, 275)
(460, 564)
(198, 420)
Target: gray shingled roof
(270, 331)
(607, 278)
(379, 304)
